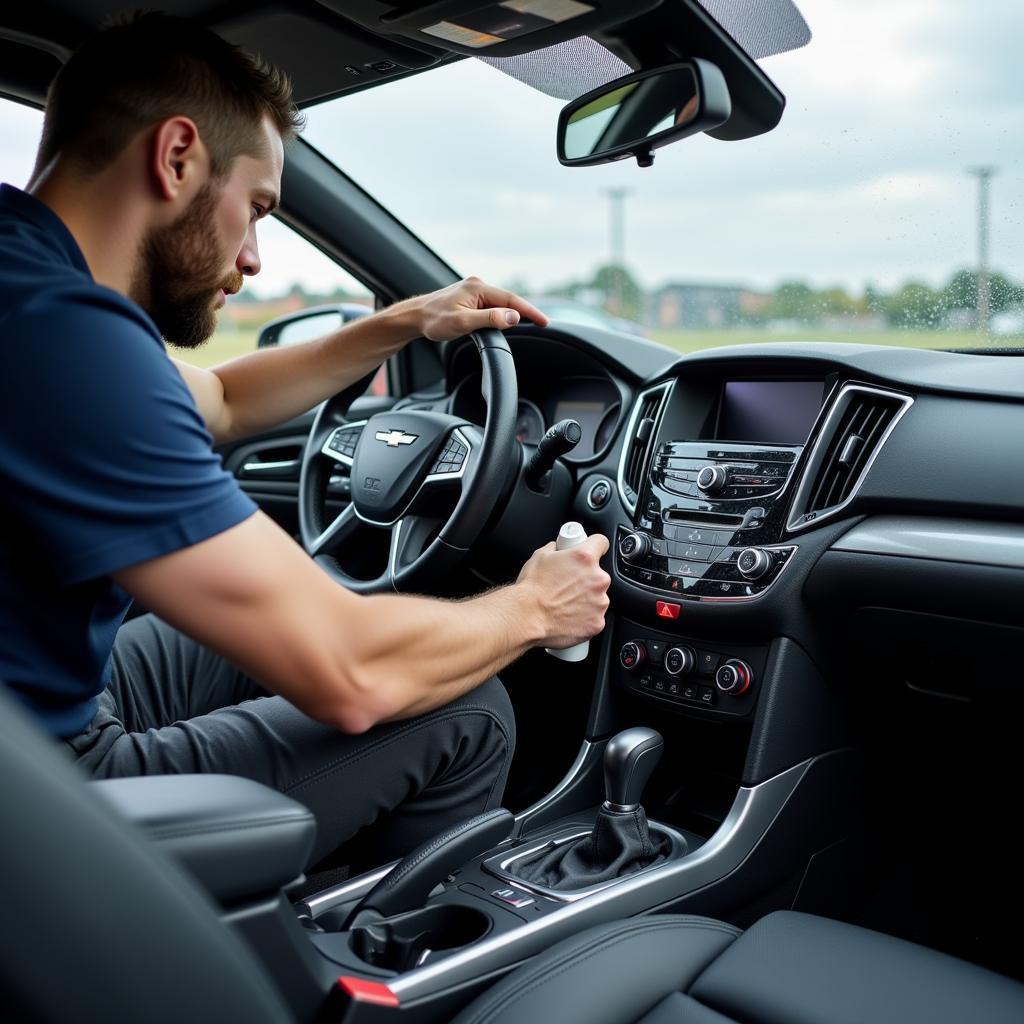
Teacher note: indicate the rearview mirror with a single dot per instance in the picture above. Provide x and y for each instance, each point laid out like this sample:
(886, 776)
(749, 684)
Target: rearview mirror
(641, 112)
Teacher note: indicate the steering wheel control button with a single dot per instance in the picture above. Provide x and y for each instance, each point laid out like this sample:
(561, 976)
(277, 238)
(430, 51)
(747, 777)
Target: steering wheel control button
(598, 495)
(753, 563)
(632, 655)
(635, 547)
(342, 443)
(452, 457)
(667, 609)
(734, 677)
(712, 479)
(680, 661)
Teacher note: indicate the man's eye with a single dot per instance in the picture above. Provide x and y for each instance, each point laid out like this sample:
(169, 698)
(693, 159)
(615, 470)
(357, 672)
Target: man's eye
(257, 212)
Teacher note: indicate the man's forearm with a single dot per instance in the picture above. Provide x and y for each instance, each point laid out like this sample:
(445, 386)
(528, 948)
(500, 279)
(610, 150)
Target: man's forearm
(422, 653)
(265, 388)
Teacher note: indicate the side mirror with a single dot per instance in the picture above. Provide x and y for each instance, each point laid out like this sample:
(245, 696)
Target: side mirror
(307, 324)
(638, 113)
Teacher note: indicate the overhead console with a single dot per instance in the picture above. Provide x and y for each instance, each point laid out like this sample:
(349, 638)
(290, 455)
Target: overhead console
(715, 475)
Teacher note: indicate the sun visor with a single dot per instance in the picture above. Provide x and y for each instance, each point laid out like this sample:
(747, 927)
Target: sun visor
(498, 28)
(574, 67)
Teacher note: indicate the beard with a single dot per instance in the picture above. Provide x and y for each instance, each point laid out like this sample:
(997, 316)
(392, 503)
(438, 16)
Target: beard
(180, 274)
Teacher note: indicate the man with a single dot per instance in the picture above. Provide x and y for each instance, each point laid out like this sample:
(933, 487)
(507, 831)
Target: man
(162, 147)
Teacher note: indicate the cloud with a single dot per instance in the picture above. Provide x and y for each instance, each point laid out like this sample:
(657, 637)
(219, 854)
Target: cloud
(864, 179)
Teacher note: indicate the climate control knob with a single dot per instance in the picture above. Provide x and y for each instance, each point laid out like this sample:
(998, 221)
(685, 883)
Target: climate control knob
(632, 655)
(679, 661)
(711, 479)
(734, 677)
(753, 563)
(635, 547)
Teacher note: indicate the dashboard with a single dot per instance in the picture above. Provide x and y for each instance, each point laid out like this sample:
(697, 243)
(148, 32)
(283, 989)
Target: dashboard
(556, 382)
(840, 496)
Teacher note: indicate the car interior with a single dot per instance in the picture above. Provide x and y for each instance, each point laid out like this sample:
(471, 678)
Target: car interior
(777, 787)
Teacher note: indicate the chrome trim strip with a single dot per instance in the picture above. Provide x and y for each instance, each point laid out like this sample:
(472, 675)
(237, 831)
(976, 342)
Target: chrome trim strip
(327, 899)
(396, 534)
(584, 755)
(345, 460)
(751, 815)
(258, 467)
(429, 478)
(813, 461)
(944, 540)
(630, 436)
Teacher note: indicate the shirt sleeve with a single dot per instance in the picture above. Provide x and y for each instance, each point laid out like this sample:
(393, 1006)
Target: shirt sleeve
(108, 460)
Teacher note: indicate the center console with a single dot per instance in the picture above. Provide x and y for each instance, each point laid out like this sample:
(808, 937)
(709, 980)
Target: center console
(709, 513)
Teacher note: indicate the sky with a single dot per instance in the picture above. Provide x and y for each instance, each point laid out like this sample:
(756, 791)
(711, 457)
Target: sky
(864, 181)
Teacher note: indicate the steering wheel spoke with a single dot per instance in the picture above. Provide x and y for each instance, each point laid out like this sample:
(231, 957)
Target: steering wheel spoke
(410, 537)
(336, 533)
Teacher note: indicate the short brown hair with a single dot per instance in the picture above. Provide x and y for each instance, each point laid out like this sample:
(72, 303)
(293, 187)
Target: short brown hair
(152, 66)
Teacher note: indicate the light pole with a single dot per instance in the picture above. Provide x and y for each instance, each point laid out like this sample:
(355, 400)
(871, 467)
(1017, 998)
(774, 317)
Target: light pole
(617, 197)
(984, 176)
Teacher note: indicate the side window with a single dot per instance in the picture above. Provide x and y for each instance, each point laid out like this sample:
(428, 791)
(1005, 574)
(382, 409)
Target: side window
(19, 136)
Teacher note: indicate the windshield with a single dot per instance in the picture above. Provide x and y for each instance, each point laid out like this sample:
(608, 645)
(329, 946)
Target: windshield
(862, 217)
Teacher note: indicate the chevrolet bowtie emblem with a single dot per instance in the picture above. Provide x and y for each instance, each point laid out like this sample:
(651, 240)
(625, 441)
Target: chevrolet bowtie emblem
(393, 438)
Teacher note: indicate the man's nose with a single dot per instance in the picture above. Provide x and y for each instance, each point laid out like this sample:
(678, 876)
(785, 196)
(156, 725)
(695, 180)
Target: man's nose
(248, 261)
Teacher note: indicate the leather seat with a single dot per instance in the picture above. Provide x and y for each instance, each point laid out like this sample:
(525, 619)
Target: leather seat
(788, 968)
(99, 924)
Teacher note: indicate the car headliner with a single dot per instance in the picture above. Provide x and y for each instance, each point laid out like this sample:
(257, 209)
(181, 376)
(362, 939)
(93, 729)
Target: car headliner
(328, 54)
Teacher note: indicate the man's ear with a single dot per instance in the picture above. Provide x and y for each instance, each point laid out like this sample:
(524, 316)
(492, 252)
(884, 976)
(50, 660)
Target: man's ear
(179, 163)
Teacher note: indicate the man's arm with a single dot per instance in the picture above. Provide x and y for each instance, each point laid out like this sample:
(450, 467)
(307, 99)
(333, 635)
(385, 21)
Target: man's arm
(253, 596)
(258, 391)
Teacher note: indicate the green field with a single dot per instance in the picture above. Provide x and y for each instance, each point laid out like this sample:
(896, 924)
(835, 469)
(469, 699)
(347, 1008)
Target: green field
(691, 341)
(222, 346)
(228, 344)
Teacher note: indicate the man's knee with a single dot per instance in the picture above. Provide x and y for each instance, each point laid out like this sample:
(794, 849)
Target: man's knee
(492, 699)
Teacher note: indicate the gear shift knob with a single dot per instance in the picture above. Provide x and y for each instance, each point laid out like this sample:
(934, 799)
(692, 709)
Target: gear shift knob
(629, 759)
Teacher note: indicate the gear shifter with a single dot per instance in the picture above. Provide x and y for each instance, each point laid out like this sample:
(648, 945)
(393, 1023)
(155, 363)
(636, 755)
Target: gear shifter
(621, 842)
(629, 759)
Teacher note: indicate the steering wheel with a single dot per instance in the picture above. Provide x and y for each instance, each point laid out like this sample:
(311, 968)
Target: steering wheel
(399, 461)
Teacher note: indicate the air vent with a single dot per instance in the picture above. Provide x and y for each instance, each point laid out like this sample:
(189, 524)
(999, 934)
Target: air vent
(639, 435)
(858, 423)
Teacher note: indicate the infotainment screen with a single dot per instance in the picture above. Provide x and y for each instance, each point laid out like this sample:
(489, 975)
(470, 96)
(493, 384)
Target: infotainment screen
(769, 411)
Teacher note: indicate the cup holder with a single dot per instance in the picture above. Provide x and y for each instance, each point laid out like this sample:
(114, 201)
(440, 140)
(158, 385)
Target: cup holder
(408, 940)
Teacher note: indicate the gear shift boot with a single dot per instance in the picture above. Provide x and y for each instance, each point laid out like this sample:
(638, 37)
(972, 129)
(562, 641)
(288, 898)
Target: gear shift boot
(621, 844)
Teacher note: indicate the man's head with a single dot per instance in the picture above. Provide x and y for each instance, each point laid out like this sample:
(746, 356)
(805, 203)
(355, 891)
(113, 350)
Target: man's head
(204, 124)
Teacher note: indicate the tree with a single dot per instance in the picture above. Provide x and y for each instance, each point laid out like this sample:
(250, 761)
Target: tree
(624, 296)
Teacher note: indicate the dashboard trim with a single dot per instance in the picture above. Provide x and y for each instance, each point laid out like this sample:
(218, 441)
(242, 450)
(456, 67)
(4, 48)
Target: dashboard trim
(816, 453)
(667, 387)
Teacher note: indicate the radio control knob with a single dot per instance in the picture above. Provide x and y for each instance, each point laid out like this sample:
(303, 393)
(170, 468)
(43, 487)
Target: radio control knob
(734, 677)
(711, 479)
(635, 547)
(679, 661)
(753, 563)
(632, 655)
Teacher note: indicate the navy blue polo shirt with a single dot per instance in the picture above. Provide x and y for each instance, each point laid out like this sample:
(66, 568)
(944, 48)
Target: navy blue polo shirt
(104, 462)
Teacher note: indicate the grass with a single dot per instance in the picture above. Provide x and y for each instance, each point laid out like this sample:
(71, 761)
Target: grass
(691, 341)
(222, 346)
(226, 345)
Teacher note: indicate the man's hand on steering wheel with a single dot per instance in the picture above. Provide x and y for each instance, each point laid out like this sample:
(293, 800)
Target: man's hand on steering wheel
(471, 305)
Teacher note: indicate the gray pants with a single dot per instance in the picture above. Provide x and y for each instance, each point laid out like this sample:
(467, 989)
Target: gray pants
(172, 706)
